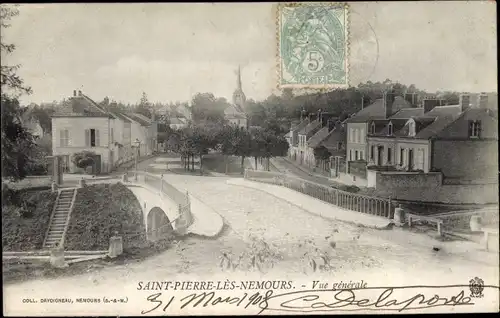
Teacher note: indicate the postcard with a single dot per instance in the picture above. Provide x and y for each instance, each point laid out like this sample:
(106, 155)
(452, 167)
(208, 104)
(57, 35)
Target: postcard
(249, 158)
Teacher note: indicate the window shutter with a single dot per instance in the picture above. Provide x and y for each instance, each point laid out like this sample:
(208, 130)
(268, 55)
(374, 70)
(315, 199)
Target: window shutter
(61, 138)
(471, 128)
(68, 140)
(97, 139)
(87, 137)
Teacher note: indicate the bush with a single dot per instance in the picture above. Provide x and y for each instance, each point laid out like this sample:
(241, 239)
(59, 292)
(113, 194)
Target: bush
(84, 159)
(24, 223)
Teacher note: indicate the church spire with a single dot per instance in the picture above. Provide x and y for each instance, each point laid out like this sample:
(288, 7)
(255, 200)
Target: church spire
(238, 83)
(238, 95)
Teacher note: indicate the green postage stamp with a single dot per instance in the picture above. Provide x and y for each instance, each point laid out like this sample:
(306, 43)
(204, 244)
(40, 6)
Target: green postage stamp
(313, 45)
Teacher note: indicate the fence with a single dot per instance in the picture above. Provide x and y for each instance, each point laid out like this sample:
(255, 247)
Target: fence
(343, 199)
(459, 221)
(181, 199)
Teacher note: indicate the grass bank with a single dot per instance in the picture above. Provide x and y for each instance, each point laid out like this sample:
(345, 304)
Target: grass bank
(217, 163)
(99, 211)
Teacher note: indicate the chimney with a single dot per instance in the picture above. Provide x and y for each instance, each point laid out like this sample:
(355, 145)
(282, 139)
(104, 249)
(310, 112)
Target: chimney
(482, 100)
(74, 93)
(388, 101)
(302, 113)
(464, 101)
(429, 104)
(411, 98)
(79, 93)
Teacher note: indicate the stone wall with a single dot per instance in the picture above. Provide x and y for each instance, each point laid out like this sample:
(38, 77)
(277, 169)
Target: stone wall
(456, 194)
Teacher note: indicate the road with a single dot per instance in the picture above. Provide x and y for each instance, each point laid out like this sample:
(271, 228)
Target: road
(286, 167)
(285, 228)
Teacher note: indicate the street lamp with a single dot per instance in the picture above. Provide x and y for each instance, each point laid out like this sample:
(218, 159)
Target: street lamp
(136, 144)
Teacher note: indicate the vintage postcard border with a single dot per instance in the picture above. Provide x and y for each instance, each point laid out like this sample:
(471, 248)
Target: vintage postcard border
(279, 70)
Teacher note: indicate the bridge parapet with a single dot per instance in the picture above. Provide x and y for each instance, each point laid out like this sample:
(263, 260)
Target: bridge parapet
(164, 188)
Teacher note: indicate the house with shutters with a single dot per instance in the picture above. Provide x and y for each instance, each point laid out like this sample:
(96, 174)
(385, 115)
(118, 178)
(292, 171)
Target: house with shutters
(357, 130)
(327, 125)
(145, 130)
(458, 140)
(303, 153)
(443, 154)
(83, 125)
(293, 137)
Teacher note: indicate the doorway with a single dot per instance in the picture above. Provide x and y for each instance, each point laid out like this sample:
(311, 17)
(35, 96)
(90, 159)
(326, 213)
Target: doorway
(380, 155)
(96, 168)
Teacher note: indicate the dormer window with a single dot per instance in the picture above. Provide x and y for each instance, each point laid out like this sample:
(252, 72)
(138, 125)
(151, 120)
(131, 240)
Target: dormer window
(372, 128)
(389, 128)
(411, 129)
(474, 128)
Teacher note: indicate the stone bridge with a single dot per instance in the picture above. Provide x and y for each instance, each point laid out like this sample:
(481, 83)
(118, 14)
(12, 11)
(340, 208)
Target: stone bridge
(165, 209)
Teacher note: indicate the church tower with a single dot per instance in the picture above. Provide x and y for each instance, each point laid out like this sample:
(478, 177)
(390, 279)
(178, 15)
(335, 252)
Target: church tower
(239, 97)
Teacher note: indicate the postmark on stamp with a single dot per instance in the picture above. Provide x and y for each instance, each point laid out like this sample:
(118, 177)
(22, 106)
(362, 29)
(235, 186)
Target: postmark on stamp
(313, 45)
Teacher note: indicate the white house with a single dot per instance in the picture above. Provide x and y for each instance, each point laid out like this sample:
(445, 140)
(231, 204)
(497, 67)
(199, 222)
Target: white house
(82, 125)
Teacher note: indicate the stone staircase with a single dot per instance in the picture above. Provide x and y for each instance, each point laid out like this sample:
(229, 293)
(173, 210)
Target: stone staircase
(60, 218)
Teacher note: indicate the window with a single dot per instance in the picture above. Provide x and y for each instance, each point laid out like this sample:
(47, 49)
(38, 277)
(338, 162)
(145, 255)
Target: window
(389, 155)
(350, 155)
(356, 155)
(389, 127)
(474, 128)
(373, 128)
(92, 138)
(362, 136)
(401, 156)
(372, 152)
(112, 137)
(351, 135)
(64, 138)
(339, 145)
(356, 134)
(419, 165)
(411, 129)
(361, 155)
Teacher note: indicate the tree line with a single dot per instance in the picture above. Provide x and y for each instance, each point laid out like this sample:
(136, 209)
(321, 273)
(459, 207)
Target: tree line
(197, 140)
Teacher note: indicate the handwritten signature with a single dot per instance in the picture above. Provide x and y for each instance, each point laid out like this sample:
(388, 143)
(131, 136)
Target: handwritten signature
(372, 298)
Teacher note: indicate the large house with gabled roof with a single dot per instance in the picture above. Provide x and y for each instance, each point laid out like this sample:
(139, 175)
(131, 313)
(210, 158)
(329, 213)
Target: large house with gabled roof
(458, 140)
(83, 125)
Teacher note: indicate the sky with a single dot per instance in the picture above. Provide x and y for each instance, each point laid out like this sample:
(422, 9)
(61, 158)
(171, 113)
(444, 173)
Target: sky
(172, 51)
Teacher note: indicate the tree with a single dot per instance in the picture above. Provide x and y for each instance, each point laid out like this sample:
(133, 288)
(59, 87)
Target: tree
(321, 154)
(144, 107)
(43, 117)
(206, 108)
(17, 143)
